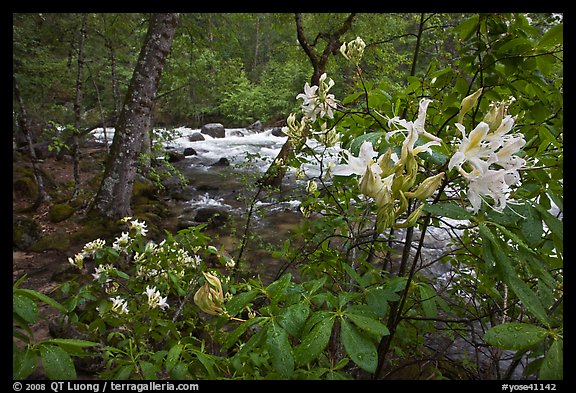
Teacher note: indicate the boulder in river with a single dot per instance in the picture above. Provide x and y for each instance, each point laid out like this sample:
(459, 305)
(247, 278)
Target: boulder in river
(215, 130)
(257, 126)
(214, 216)
(196, 137)
(190, 152)
(222, 162)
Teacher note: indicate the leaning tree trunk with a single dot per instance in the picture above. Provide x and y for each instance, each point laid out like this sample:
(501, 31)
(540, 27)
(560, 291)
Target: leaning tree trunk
(23, 122)
(113, 199)
(276, 171)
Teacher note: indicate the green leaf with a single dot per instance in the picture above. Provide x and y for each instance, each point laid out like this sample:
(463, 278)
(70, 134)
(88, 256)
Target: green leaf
(428, 296)
(450, 210)
(554, 36)
(314, 342)
(57, 362)
(173, 357)
(361, 349)
(180, 371)
(207, 361)
(353, 274)
(124, 372)
(528, 298)
(23, 363)
(368, 324)
(25, 307)
(71, 342)
(515, 335)
(277, 289)
(468, 27)
(376, 138)
(149, 370)
(554, 224)
(280, 350)
(240, 330)
(292, 318)
(496, 250)
(238, 302)
(40, 296)
(553, 365)
(352, 97)
(531, 227)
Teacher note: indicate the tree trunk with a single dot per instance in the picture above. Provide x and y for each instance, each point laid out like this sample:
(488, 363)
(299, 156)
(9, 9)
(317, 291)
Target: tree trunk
(113, 199)
(275, 173)
(23, 122)
(78, 109)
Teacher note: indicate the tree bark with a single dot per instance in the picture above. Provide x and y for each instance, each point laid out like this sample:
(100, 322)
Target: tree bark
(23, 122)
(113, 199)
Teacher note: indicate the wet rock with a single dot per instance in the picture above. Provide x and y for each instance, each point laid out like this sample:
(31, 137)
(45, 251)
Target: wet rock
(222, 162)
(196, 137)
(236, 133)
(175, 156)
(214, 216)
(277, 131)
(190, 152)
(257, 126)
(215, 130)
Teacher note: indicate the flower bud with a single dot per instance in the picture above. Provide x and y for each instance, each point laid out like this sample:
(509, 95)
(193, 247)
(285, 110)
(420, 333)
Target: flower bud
(354, 50)
(494, 116)
(468, 103)
(412, 218)
(427, 187)
(209, 298)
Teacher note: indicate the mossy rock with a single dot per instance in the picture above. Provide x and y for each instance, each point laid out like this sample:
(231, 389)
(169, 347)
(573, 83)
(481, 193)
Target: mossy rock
(60, 212)
(95, 226)
(143, 192)
(57, 241)
(26, 187)
(25, 232)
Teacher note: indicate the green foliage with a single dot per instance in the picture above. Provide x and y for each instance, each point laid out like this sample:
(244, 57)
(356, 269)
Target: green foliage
(54, 354)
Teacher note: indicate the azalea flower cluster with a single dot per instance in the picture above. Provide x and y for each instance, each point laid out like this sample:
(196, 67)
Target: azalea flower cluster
(88, 251)
(389, 179)
(317, 101)
(490, 153)
(487, 159)
(154, 298)
(354, 50)
(139, 227)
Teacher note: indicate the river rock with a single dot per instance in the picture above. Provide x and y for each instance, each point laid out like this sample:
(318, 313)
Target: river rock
(222, 162)
(175, 156)
(190, 152)
(196, 137)
(216, 217)
(215, 130)
(257, 126)
(277, 131)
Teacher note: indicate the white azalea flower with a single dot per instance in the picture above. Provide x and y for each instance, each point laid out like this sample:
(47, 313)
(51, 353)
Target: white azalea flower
(473, 149)
(119, 305)
(490, 183)
(140, 227)
(357, 165)
(413, 130)
(122, 242)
